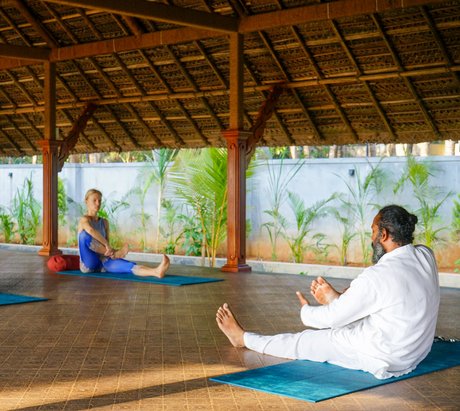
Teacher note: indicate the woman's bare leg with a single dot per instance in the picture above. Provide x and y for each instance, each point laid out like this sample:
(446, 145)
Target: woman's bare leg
(230, 326)
(159, 271)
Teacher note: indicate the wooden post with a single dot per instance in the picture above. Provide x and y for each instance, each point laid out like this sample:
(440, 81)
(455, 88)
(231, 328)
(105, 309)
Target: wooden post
(236, 209)
(236, 164)
(50, 150)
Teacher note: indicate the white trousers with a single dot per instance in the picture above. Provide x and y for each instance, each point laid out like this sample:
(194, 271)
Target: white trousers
(313, 345)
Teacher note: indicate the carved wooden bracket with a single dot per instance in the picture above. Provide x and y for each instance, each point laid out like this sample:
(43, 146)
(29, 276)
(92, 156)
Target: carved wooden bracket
(265, 112)
(69, 143)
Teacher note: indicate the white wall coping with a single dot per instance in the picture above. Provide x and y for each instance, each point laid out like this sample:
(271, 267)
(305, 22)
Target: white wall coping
(451, 280)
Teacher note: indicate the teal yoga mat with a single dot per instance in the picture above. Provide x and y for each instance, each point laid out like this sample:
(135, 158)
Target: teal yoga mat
(6, 299)
(173, 280)
(313, 381)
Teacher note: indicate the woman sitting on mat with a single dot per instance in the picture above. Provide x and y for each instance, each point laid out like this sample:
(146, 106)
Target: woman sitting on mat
(96, 255)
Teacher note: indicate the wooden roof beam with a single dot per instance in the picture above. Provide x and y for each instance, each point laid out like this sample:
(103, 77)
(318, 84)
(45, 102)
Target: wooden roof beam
(39, 28)
(12, 142)
(160, 12)
(326, 87)
(426, 115)
(440, 42)
(26, 139)
(368, 88)
(26, 53)
(324, 11)
(72, 122)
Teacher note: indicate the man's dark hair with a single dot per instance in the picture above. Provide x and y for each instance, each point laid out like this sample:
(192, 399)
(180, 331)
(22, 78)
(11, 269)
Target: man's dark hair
(399, 223)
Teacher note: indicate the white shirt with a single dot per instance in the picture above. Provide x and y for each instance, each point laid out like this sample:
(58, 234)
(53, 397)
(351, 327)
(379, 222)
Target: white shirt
(386, 320)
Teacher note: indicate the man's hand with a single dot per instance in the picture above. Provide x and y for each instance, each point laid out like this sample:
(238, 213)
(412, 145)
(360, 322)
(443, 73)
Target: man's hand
(302, 299)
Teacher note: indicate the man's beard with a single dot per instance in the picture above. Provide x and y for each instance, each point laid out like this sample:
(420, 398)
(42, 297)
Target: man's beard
(377, 250)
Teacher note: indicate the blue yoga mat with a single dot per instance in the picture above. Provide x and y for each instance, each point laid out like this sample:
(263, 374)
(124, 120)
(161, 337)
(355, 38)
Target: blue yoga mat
(313, 381)
(173, 280)
(6, 299)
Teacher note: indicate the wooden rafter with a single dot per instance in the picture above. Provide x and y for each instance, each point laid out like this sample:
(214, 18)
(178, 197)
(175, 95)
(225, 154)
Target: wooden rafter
(35, 23)
(368, 88)
(440, 42)
(429, 120)
(160, 12)
(326, 88)
(12, 142)
(324, 11)
(19, 131)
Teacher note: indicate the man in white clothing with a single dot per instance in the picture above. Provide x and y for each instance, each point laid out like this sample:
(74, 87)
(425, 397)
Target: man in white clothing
(384, 323)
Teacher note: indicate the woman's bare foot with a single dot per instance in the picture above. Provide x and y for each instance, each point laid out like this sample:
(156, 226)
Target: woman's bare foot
(159, 271)
(121, 253)
(163, 267)
(323, 292)
(230, 326)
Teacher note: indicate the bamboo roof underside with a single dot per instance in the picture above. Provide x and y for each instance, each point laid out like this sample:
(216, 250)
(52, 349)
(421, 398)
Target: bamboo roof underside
(352, 71)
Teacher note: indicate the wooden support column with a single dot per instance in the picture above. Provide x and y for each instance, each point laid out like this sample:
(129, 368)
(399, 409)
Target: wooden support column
(236, 164)
(50, 150)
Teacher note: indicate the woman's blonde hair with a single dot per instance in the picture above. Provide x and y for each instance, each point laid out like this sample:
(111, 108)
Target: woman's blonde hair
(92, 191)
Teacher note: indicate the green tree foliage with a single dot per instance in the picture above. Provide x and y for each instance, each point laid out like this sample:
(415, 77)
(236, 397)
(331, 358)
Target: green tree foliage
(456, 219)
(6, 225)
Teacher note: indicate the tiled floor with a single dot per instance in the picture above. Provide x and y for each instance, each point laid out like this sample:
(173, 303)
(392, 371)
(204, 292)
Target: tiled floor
(123, 345)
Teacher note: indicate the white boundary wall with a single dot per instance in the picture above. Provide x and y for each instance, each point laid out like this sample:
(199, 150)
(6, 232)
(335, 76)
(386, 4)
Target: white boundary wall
(317, 180)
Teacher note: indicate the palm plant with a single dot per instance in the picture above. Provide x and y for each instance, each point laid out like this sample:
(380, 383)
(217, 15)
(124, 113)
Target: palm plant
(300, 241)
(430, 198)
(160, 162)
(26, 211)
(360, 202)
(202, 185)
(278, 180)
(347, 233)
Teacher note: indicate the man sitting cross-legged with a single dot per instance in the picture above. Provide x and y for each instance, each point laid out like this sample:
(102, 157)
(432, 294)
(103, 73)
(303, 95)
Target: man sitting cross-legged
(384, 323)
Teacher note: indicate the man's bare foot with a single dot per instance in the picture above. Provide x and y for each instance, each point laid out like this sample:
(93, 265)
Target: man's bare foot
(121, 253)
(230, 326)
(323, 292)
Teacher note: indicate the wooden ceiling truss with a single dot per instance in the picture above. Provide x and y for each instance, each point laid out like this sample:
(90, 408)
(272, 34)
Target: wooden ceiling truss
(185, 74)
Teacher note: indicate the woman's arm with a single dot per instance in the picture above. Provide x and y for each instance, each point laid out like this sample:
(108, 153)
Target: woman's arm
(84, 224)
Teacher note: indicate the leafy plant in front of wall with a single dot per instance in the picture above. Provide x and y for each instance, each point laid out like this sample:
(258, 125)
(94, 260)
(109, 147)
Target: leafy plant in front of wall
(110, 209)
(6, 225)
(360, 201)
(63, 207)
(279, 178)
(301, 240)
(456, 219)
(201, 183)
(430, 198)
(170, 227)
(192, 234)
(347, 233)
(26, 211)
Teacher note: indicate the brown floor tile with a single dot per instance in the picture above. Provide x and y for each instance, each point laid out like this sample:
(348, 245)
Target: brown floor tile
(114, 345)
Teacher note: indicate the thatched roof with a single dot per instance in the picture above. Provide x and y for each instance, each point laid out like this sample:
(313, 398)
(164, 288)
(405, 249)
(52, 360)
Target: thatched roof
(353, 71)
